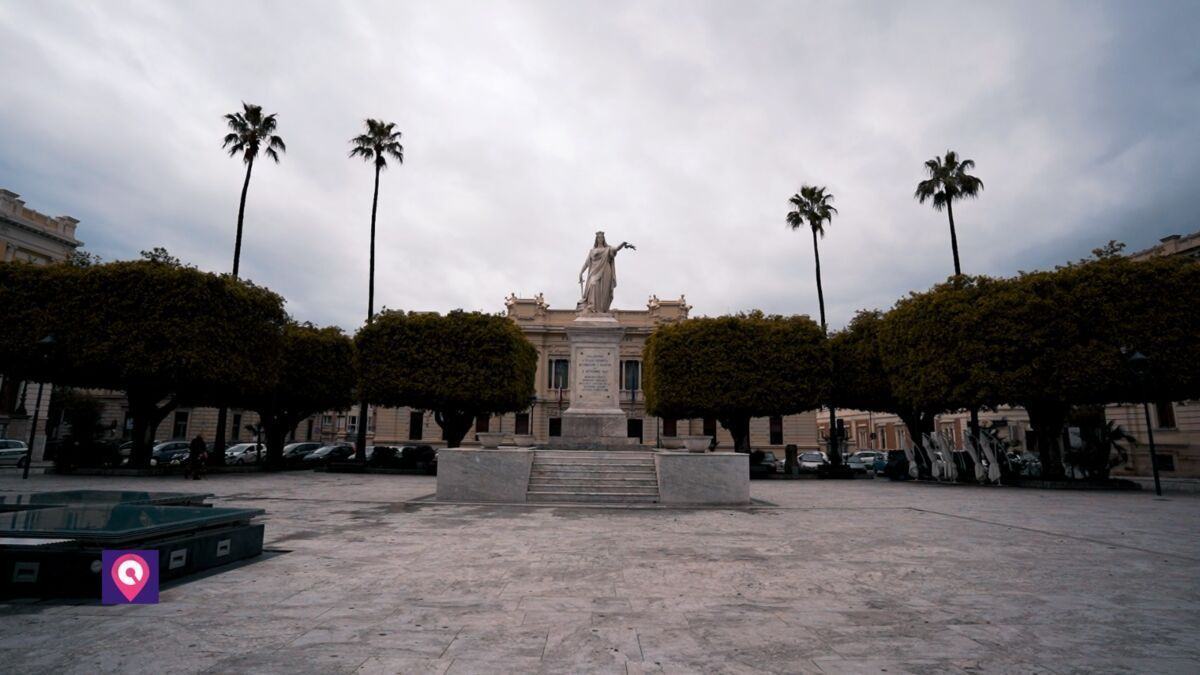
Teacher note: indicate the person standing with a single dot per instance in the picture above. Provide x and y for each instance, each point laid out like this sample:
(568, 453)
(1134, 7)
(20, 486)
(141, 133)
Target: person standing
(197, 458)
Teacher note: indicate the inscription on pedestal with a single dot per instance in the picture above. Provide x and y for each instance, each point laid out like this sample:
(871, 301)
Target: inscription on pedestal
(594, 367)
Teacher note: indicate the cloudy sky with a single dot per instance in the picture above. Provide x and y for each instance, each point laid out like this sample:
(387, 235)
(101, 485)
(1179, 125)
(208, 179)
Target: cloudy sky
(682, 127)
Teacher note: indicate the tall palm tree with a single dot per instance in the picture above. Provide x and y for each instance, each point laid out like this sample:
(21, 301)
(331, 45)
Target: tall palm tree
(250, 131)
(948, 182)
(380, 142)
(814, 209)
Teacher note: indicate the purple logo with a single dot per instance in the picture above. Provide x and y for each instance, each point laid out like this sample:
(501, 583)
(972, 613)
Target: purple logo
(129, 577)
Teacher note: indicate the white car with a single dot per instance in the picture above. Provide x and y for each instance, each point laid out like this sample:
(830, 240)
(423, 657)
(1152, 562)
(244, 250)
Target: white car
(245, 453)
(12, 453)
(811, 461)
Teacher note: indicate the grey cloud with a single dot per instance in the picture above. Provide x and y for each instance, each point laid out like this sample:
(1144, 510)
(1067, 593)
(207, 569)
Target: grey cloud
(682, 127)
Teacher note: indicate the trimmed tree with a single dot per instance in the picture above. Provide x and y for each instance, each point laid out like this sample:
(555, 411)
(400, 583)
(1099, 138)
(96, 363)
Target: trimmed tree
(164, 334)
(460, 366)
(315, 372)
(862, 380)
(735, 368)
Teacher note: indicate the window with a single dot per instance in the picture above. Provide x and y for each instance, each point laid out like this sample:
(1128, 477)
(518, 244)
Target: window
(416, 424)
(776, 430)
(633, 428)
(1165, 413)
(1166, 462)
(560, 372)
(631, 375)
(127, 429)
(710, 426)
(326, 421)
(235, 430)
(556, 426)
(482, 423)
(179, 428)
(901, 438)
(881, 437)
(522, 425)
(670, 427)
(371, 421)
(352, 424)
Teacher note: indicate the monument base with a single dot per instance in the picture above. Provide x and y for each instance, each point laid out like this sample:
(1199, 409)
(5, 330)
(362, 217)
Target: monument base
(595, 419)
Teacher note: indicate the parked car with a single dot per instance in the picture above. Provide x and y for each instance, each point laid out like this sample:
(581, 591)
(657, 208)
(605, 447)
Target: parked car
(169, 452)
(245, 453)
(763, 464)
(863, 461)
(295, 452)
(881, 463)
(812, 461)
(329, 453)
(12, 452)
(896, 466)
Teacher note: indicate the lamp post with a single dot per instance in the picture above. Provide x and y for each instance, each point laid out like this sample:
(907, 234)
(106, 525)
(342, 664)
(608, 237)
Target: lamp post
(44, 346)
(1139, 363)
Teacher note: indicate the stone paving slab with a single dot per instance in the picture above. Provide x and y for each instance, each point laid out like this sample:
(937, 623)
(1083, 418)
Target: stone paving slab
(363, 575)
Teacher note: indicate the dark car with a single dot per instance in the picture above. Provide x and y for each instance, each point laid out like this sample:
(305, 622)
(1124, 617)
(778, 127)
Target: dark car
(329, 453)
(170, 452)
(294, 453)
(422, 458)
(763, 464)
(897, 465)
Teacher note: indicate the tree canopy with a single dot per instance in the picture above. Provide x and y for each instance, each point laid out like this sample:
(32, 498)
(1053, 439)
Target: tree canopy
(315, 372)
(735, 368)
(159, 331)
(459, 366)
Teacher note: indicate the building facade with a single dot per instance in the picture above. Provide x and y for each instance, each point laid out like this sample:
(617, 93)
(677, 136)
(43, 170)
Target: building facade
(29, 236)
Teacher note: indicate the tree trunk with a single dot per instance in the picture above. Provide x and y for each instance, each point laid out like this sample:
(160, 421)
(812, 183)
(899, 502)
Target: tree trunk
(973, 425)
(820, 291)
(919, 424)
(275, 428)
(360, 445)
(1048, 421)
(218, 454)
(147, 415)
(455, 424)
(953, 237)
(738, 427)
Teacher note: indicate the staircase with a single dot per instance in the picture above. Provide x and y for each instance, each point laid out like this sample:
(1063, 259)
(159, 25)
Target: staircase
(593, 476)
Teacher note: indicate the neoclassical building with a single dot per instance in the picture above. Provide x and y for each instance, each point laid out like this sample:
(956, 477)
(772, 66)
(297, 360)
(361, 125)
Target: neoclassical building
(27, 235)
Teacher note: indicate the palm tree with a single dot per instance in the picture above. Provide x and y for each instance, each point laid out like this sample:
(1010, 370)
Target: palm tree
(249, 132)
(949, 181)
(380, 142)
(813, 208)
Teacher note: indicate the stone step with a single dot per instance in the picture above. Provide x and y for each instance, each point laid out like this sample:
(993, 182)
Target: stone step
(597, 466)
(594, 475)
(592, 488)
(596, 454)
(592, 497)
(638, 479)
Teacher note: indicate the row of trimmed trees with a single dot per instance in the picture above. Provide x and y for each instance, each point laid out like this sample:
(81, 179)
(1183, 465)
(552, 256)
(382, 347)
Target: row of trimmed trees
(169, 335)
(1044, 341)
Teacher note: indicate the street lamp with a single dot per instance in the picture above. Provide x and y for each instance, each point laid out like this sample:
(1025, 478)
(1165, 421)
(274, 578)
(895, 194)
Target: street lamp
(1139, 363)
(44, 346)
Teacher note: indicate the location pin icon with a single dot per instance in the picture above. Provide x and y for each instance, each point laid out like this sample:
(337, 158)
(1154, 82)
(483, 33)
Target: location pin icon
(130, 573)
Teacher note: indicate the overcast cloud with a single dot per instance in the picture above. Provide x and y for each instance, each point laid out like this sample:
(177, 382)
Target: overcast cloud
(682, 127)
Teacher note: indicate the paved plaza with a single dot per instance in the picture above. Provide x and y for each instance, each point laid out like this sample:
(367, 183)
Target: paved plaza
(365, 575)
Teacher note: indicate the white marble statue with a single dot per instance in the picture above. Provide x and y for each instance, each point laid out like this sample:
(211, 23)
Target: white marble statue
(597, 291)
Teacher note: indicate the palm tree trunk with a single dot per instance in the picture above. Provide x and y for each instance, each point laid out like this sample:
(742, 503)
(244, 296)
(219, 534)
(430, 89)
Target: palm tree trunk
(953, 237)
(360, 445)
(237, 243)
(218, 454)
(835, 456)
(820, 292)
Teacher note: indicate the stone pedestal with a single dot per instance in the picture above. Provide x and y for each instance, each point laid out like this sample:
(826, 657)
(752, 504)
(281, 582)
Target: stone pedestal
(594, 417)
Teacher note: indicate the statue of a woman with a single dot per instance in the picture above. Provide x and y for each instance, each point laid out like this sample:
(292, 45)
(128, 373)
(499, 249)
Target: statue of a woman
(601, 276)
